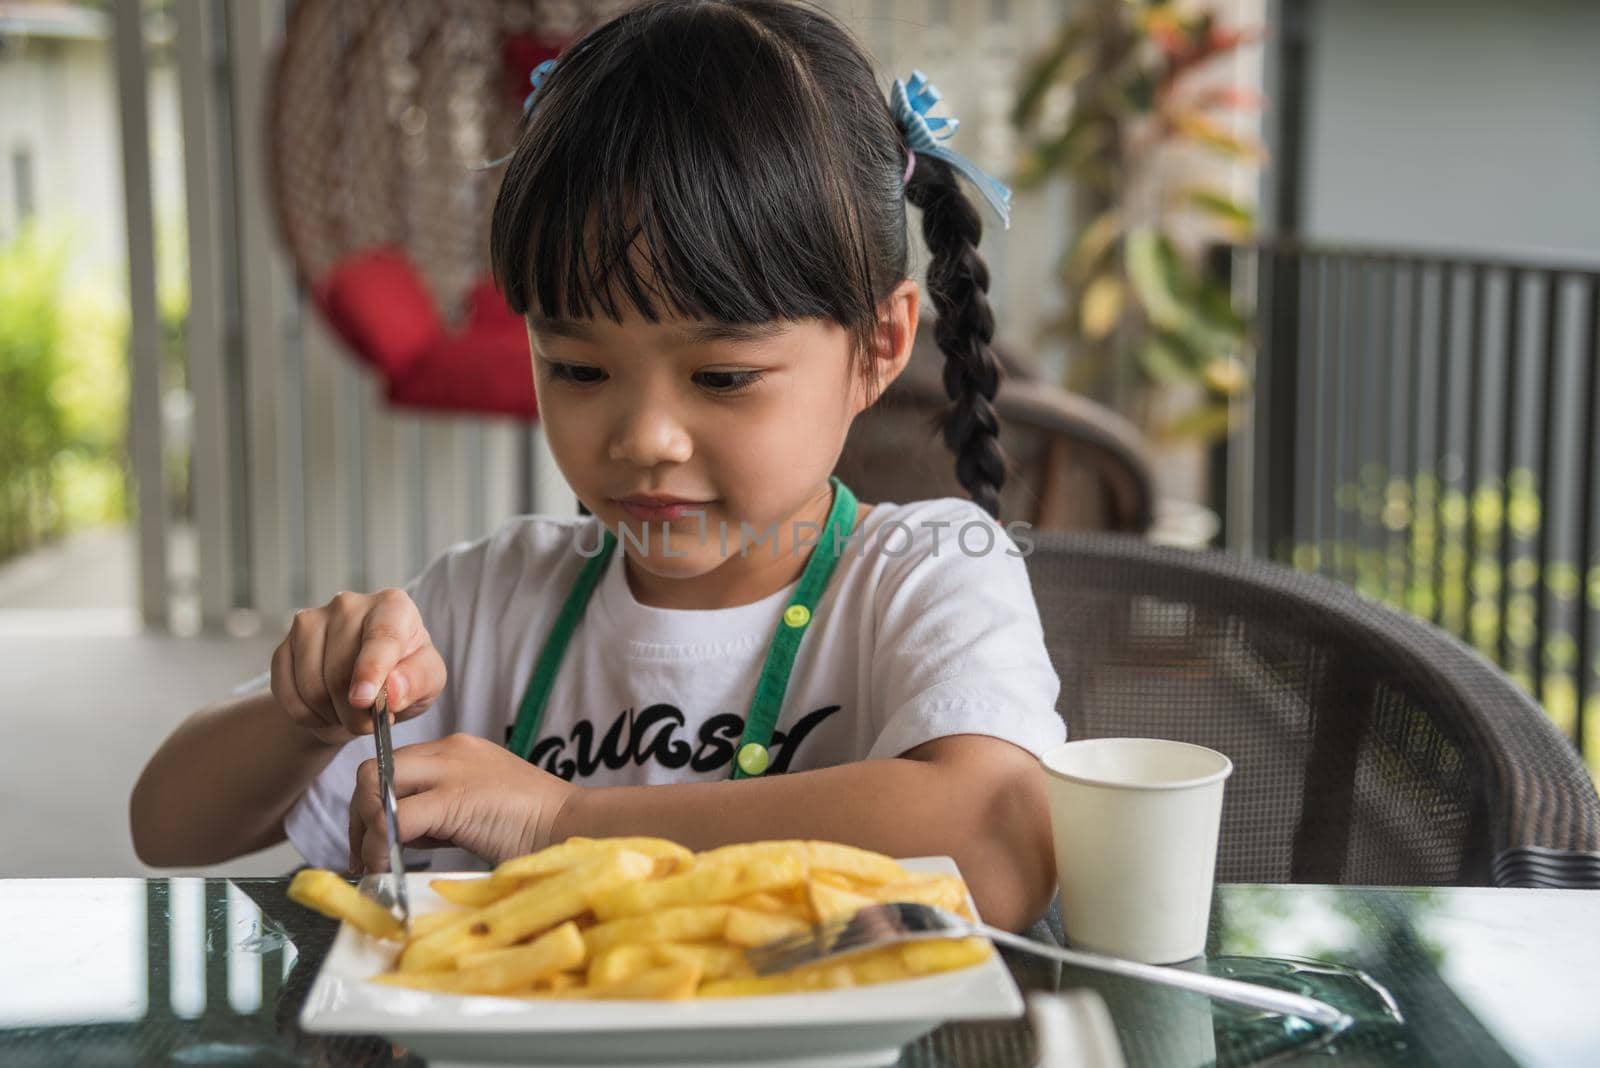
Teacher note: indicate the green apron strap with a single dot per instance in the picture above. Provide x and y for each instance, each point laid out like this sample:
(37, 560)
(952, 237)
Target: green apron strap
(752, 756)
(531, 713)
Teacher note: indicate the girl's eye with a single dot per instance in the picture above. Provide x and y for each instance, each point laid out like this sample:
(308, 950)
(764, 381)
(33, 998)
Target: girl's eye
(729, 382)
(576, 373)
(723, 383)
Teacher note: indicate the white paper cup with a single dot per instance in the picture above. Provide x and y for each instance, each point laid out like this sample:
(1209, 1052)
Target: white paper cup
(1135, 824)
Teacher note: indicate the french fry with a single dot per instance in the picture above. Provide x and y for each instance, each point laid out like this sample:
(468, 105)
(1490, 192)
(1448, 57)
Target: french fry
(490, 957)
(426, 922)
(876, 966)
(830, 902)
(795, 982)
(703, 884)
(666, 866)
(840, 880)
(941, 891)
(329, 894)
(765, 901)
(503, 970)
(644, 918)
(746, 852)
(624, 962)
(860, 864)
(715, 961)
(747, 927)
(575, 851)
(559, 981)
(944, 954)
(621, 962)
(794, 901)
(674, 982)
(528, 911)
(475, 893)
(689, 923)
(518, 872)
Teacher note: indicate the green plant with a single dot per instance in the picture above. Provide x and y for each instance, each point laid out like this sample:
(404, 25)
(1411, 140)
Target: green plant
(1115, 105)
(62, 395)
(30, 422)
(1466, 558)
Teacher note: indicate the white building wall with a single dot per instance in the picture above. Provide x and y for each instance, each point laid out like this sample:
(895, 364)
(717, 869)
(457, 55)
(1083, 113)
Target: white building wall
(1456, 124)
(58, 110)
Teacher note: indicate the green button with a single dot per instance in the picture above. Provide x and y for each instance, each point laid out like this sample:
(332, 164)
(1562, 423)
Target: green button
(753, 758)
(797, 615)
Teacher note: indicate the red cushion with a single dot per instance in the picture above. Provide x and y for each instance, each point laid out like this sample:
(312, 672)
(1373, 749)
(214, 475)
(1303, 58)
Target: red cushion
(380, 306)
(487, 309)
(479, 370)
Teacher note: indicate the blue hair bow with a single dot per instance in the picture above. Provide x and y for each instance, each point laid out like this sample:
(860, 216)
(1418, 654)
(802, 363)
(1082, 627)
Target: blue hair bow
(910, 105)
(536, 78)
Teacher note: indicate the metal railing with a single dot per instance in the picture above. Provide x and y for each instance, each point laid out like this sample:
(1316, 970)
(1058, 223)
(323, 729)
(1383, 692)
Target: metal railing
(1425, 430)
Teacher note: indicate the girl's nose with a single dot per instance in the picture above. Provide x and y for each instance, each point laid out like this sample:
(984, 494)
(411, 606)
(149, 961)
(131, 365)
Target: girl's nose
(650, 435)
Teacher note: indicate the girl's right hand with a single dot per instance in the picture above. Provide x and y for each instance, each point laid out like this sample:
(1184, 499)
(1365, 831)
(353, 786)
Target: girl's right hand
(327, 672)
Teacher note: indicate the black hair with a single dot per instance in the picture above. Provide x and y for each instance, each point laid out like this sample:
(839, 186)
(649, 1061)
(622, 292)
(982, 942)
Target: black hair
(744, 152)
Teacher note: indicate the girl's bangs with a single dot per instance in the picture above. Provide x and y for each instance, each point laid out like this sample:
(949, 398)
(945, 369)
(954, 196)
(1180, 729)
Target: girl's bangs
(659, 175)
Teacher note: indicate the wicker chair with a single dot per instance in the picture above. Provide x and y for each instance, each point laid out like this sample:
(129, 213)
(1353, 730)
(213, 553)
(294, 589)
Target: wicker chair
(1074, 464)
(1368, 747)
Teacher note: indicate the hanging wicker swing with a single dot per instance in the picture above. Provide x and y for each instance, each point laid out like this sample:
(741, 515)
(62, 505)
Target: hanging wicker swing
(381, 115)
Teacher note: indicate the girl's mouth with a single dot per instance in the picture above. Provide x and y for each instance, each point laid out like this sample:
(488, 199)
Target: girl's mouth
(647, 510)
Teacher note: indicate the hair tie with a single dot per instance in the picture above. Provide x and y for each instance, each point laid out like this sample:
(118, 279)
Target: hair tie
(911, 165)
(910, 105)
(536, 78)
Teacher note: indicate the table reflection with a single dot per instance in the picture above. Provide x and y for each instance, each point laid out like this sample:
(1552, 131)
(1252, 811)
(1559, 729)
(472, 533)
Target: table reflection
(135, 971)
(1484, 976)
(214, 972)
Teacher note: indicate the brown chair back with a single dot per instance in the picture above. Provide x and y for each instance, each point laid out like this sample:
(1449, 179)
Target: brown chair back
(1368, 746)
(1074, 465)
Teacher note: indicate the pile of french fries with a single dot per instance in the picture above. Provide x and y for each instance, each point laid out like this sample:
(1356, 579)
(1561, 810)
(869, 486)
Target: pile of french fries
(647, 918)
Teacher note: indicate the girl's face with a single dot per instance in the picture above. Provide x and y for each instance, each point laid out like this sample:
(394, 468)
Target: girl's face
(746, 423)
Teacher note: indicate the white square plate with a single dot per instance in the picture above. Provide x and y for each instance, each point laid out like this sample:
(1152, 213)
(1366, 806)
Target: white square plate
(860, 1026)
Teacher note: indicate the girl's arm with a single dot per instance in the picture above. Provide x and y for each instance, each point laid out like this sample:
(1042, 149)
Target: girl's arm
(220, 785)
(975, 798)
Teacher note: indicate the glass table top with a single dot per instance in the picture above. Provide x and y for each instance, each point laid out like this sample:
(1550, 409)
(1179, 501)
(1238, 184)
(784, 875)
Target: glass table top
(213, 972)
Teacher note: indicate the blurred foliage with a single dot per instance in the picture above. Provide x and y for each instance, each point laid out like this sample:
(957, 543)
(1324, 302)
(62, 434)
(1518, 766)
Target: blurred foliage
(1359, 925)
(64, 385)
(63, 395)
(1467, 558)
(1111, 104)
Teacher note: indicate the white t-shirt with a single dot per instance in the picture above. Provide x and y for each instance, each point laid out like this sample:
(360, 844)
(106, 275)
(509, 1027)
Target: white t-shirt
(928, 628)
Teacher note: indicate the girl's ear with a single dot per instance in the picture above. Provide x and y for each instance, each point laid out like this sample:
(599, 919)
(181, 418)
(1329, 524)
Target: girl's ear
(892, 339)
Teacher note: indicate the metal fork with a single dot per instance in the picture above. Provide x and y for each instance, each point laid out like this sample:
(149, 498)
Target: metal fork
(390, 888)
(886, 925)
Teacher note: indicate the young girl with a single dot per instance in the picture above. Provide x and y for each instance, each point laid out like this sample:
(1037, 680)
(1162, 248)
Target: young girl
(704, 225)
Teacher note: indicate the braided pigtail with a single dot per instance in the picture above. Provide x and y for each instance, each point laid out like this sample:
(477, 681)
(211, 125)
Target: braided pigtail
(958, 285)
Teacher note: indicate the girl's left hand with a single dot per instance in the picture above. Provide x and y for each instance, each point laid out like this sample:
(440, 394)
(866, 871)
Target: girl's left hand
(460, 791)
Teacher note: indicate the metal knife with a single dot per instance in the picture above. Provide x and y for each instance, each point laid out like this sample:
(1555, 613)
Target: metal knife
(391, 891)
